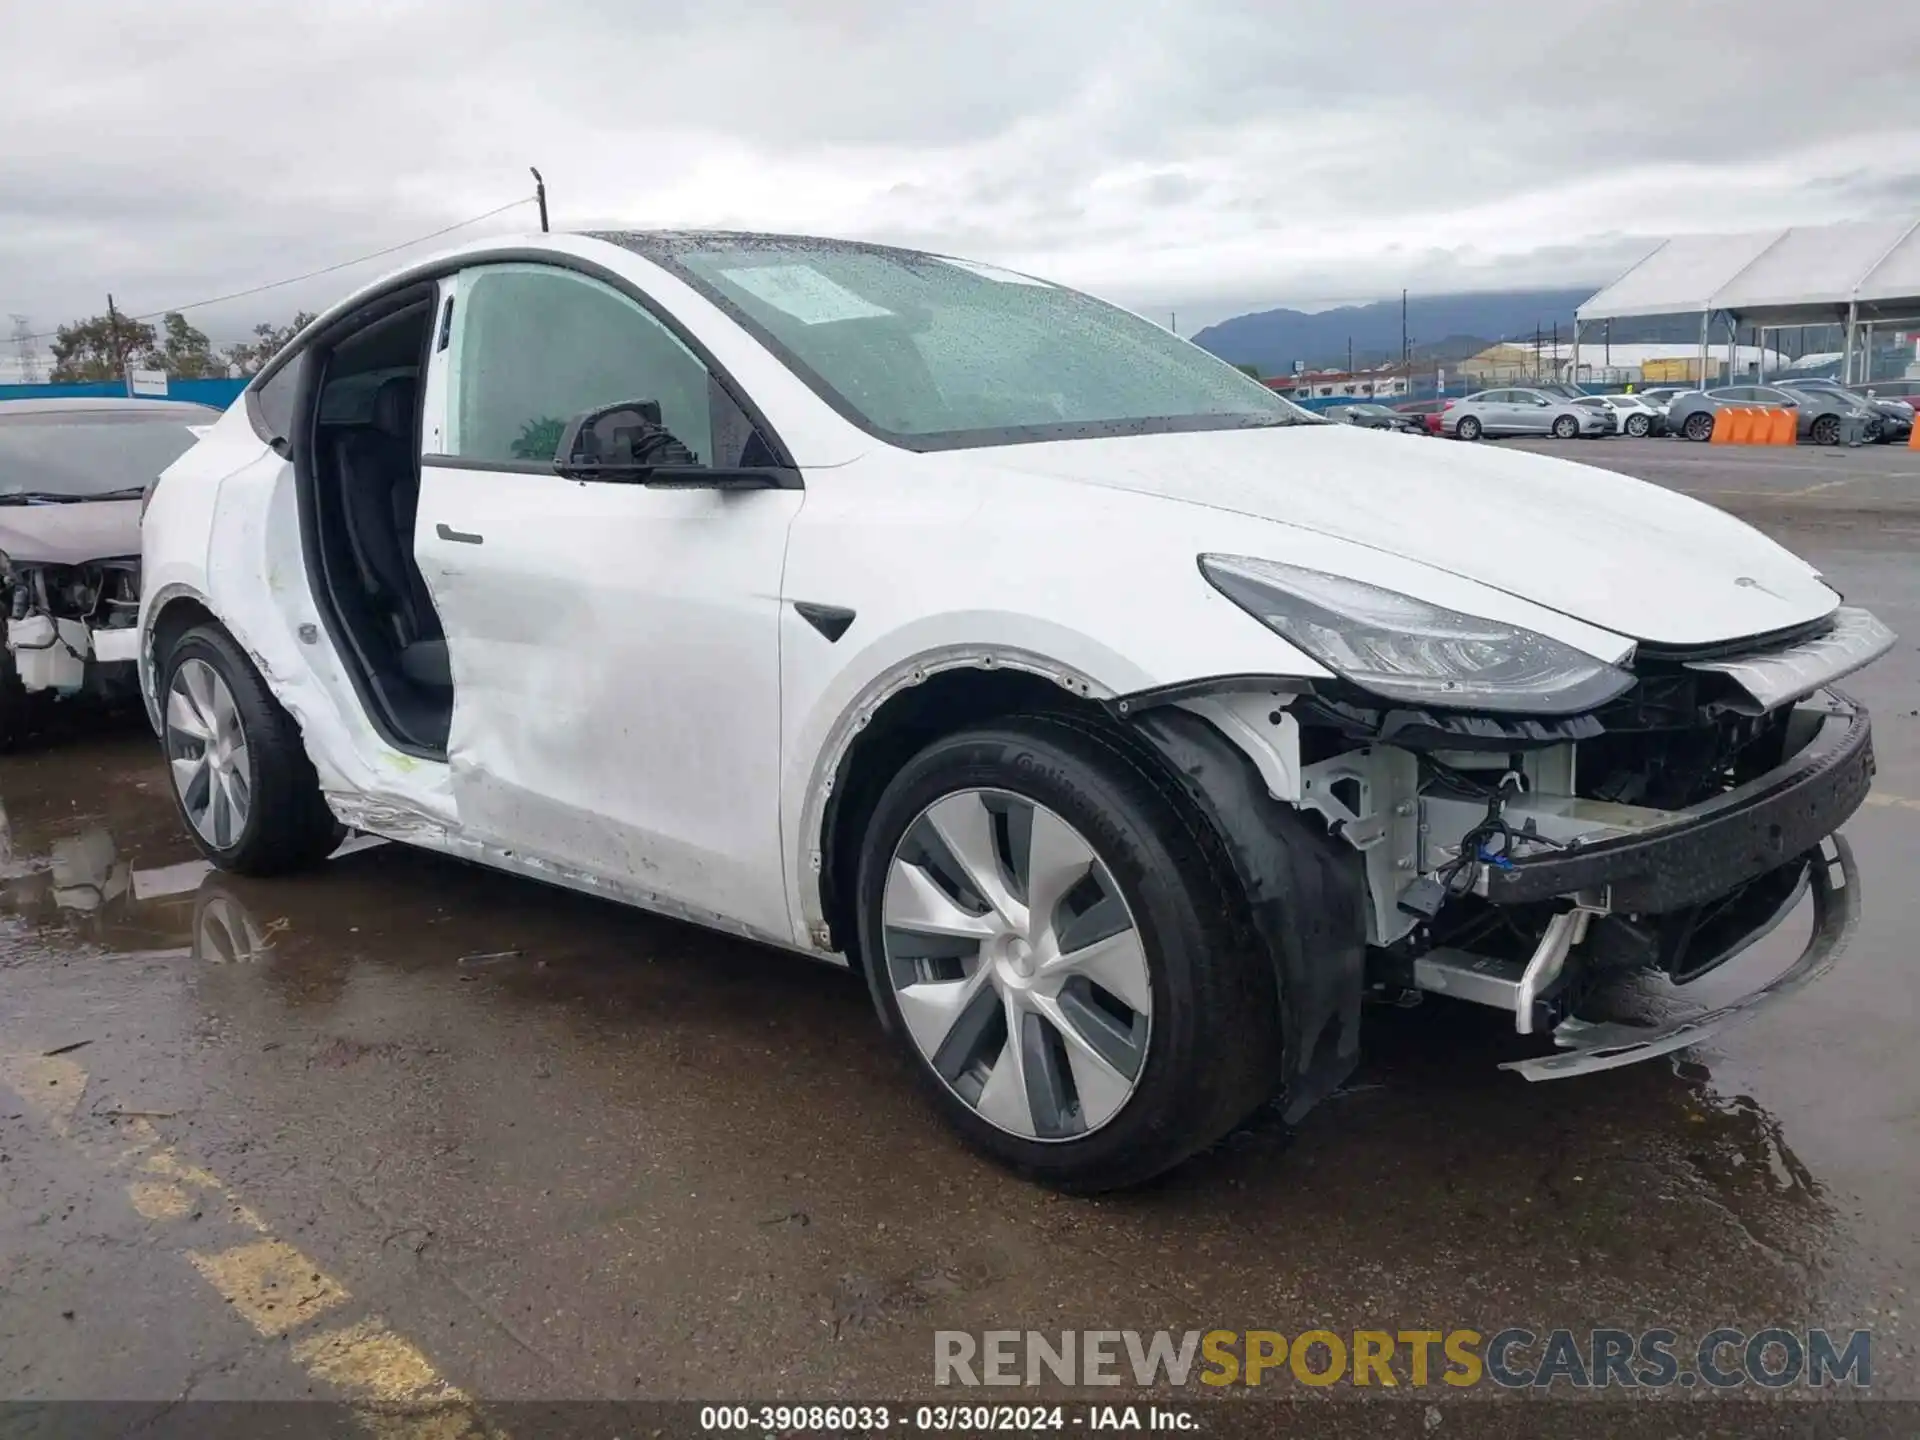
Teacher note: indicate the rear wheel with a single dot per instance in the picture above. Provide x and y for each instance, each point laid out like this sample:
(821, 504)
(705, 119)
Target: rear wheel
(241, 777)
(1468, 428)
(1826, 430)
(1055, 940)
(1565, 427)
(1699, 425)
(1638, 426)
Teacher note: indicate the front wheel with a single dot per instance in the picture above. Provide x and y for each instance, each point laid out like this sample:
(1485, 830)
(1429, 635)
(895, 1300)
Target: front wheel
(1565, 427)
(241, 777)
(1699, 425)
(1055, 940)
(1468, 428)
(1638, 426)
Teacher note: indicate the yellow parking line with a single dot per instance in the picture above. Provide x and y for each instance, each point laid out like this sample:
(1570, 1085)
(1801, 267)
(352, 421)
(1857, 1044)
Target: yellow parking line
(368, 1360)
(159, 1199)
(271, 1285)
(49, 1085)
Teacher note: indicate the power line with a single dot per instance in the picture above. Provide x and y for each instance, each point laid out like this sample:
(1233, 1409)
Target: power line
(311, 274)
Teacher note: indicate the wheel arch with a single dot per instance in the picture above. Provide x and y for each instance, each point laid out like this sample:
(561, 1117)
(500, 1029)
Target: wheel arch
(170, 614)
(905, 709)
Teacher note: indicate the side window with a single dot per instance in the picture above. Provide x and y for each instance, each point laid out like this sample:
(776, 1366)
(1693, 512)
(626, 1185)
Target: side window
(274, 402)
(534, 346)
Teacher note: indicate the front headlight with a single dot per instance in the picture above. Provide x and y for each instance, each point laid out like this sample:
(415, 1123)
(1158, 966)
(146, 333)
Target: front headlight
(1406, 649)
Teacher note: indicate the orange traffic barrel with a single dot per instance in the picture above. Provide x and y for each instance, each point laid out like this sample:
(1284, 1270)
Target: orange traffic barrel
(1722, 425)
(1785, 427)
(1744, 424)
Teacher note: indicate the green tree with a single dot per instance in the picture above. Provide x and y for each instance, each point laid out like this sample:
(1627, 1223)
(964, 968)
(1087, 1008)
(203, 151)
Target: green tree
(1252, 370)
(185, 351)
(268, 340)
(100, 348)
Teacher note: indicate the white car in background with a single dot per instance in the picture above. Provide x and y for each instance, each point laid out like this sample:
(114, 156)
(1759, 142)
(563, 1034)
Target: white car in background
(1123, 724)
(73, 472)
(1637, 419)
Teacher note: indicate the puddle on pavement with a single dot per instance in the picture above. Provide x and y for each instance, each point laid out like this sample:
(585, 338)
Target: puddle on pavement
(444, 1038)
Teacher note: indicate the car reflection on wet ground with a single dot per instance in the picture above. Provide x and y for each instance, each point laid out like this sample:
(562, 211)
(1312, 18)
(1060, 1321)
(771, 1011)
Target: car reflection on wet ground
(550, 1147)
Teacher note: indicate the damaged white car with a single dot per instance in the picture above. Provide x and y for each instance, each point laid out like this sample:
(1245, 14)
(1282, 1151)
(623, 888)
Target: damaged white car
(72, 475)
(1123, 724)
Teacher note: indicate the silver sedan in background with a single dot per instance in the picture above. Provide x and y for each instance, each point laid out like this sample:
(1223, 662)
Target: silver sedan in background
(1523, 412)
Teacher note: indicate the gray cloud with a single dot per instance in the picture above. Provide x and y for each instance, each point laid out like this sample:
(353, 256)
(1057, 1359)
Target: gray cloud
(1209, 154)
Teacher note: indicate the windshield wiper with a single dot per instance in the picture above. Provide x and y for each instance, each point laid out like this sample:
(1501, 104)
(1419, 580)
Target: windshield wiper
(46, 497)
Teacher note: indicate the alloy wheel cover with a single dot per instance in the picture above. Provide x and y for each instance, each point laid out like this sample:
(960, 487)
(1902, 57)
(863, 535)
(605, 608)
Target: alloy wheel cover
(207, 754)
(1016, 964)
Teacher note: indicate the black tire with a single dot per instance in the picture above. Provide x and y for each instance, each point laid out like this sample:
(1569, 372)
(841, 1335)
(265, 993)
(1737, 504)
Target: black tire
(13, 700)
(1566, 427)
(1214, 1053)
(288, 825)
(1699, 425)
(1468, 428)
(1825, 430)
(1638, 426)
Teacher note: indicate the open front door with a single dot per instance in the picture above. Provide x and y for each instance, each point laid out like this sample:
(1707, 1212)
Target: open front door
(614, 645)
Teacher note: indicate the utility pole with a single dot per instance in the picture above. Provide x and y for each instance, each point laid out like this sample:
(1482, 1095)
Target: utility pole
(113, 339)
(23, 349)
(1349, 355)
(1173, 321)
(1406, 361)
(1607, 331)
(540, 194)
(1536, 352)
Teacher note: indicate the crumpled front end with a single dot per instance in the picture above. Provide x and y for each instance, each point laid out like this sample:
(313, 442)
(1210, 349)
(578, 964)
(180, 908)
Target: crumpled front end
(1528, 863)
(72, 629)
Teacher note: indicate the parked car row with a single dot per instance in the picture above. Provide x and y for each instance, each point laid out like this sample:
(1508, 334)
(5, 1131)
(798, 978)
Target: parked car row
(722, 575)
(1827, 413)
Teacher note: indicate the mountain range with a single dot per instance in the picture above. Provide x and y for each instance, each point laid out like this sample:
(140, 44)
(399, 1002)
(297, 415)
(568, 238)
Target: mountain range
(1442, 328)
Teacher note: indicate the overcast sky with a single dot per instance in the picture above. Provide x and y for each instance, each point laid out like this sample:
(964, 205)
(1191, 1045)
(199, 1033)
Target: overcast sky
(1195, 154)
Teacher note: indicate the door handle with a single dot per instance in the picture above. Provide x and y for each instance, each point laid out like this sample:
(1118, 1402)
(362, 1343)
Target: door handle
(447, 532)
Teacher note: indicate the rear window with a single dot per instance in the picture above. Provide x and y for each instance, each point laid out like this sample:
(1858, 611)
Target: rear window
(77, 454)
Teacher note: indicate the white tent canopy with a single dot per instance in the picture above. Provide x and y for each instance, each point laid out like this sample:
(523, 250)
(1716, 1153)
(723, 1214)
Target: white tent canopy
(1822, 267)
(1861, 270)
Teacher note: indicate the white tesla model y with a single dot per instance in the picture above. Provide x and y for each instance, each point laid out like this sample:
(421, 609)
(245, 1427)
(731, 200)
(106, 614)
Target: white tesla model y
(1125, 725)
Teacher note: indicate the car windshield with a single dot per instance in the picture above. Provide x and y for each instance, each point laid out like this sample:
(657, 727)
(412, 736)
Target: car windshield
(937, 353)
(80, 454)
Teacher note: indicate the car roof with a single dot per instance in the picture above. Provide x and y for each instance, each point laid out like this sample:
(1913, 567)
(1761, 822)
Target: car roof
(80, 406)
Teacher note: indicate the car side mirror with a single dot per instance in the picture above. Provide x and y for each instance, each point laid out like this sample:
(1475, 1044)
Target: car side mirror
(628, 442)
(607, 438)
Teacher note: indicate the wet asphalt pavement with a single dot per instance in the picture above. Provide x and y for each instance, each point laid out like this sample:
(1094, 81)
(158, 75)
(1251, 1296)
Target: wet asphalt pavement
(408, 1128)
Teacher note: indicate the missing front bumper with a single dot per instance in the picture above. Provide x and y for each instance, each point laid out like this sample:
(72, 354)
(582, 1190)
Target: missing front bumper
(1833, 882)
(1714, 848)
